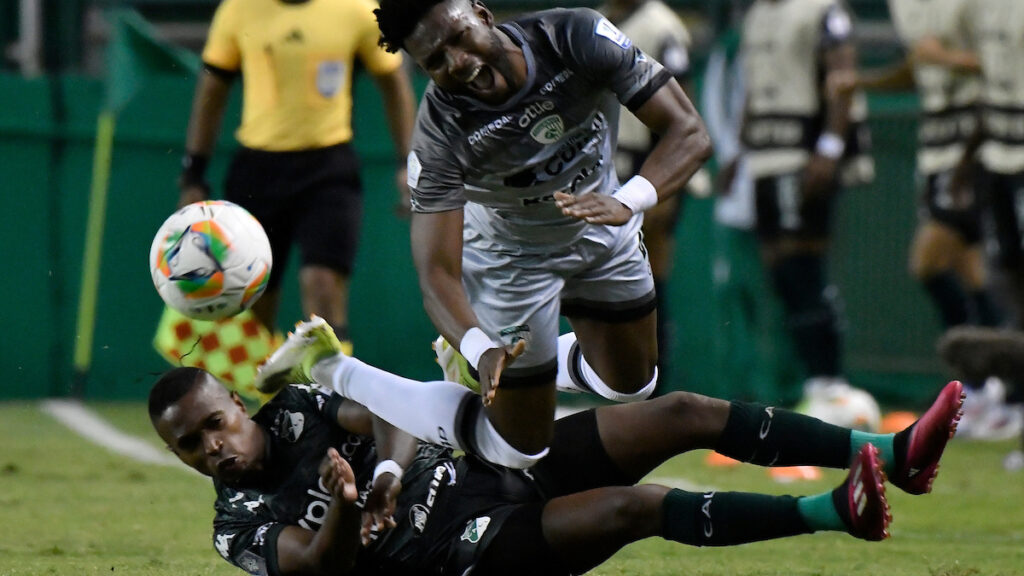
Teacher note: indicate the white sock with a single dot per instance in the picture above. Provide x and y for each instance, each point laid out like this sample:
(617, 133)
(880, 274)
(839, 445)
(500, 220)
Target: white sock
(426, 410)
(586, 379)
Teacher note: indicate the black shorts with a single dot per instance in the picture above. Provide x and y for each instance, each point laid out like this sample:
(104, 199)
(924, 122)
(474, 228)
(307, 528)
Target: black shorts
(781, 210)
(490, 520)
(937, 206)
(1004, 203)
(310, 197)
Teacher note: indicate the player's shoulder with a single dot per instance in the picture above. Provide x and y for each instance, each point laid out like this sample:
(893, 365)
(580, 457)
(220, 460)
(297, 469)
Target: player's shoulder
(295, 399)
(561, 23)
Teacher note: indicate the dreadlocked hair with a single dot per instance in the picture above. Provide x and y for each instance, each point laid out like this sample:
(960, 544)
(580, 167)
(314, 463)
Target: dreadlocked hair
(397, 19)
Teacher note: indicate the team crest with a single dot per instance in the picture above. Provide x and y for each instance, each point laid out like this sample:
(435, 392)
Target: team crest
(548, 130)
(475, 529)
(289, 425)
(329, 77)
(513, 334)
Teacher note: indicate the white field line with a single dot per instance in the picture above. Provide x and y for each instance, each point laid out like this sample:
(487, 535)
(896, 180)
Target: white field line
(92, 427)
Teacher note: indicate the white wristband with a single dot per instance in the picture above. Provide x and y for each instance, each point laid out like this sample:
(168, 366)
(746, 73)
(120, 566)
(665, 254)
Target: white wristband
(637, 194)
(474, 344)
(387, 466)
(830, 146)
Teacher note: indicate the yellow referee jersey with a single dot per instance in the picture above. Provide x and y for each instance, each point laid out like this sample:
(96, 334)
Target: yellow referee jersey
(296, 62)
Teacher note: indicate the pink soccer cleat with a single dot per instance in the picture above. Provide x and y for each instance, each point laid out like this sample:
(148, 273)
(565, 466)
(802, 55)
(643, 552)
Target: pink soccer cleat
(867, 510)
(928, 439)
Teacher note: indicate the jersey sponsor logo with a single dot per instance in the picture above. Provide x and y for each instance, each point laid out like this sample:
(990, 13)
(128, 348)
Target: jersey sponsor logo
(329, 77)
(475, 529)
(555, 82)
(534, 111)
(489, 129)
(316, 509)
(418, 515)
(566, 157)
(548, 130)
(288, 425)
(608, 30)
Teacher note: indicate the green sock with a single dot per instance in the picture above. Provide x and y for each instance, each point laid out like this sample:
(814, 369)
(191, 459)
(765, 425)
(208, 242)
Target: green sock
(884, 443)
(819, 512)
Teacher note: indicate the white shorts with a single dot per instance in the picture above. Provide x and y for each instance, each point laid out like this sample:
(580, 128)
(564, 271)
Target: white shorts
(604, 276)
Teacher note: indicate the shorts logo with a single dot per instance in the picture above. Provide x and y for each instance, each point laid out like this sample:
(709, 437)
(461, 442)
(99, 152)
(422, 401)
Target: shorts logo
(412, 170)
(609, 31)
(475, 529)
(418, 515)
(548, 130)
(513, 334)
(329, 76)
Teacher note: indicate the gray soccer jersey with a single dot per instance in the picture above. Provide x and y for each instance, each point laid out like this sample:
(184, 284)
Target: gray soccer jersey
(948, 97)
(999, 29)
(503, 164)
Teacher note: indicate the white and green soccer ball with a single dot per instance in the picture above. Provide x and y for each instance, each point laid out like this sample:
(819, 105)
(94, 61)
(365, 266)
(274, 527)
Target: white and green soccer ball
(210, 260)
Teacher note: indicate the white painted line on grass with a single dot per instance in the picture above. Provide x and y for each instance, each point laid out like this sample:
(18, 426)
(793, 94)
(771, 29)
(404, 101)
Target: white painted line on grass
(92, 427)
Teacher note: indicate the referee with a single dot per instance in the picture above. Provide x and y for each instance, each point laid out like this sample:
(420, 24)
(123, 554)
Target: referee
(295, 170)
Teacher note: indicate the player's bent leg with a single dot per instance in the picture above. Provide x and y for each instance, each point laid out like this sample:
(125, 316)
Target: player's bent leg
(616, 360)
(439, 412)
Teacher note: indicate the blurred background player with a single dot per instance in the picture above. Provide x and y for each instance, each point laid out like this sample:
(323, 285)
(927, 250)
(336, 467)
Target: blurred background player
(947, 255)
(659, 32)
(296, 170)
(518, 216)
(997, 28)
(802, 144)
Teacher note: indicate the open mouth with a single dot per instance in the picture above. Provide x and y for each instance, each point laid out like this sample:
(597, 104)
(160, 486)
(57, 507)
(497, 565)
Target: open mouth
(481, 79)
(229, 464)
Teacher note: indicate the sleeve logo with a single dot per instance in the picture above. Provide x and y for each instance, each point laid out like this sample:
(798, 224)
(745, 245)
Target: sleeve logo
(609, 31)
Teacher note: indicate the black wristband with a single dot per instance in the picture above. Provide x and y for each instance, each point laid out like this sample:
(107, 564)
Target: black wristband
(193, 168)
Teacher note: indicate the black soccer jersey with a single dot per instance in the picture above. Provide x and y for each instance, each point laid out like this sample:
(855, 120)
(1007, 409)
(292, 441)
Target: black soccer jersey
(300, 424)
(555, 134)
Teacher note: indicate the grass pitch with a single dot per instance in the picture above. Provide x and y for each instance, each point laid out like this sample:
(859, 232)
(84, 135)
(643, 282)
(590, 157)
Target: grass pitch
(68, 507)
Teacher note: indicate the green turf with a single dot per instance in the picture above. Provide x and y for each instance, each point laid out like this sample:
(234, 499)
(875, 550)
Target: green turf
(68, 507)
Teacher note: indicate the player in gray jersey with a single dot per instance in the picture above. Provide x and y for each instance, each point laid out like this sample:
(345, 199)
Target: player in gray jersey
(518, 215)
(946, 255)
(802, 144)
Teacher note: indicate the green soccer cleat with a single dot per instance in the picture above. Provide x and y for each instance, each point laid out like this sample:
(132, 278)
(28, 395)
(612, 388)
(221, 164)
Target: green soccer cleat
(293, 362)
(454, 365)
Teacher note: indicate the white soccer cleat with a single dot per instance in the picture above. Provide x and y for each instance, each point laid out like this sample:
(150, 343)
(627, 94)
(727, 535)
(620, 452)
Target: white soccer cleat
(293, 362)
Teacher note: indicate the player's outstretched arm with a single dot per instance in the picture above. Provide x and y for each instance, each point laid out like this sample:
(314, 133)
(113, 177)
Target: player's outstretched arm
(331, 550)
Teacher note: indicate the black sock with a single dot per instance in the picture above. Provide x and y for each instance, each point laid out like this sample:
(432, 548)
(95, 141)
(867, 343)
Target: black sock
(769, 436)
(729, 518)
(986, 312)
(812, 317)
(949, 297)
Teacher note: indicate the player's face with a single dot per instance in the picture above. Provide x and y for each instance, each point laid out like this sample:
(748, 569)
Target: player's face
(209, 430)
(457, 45)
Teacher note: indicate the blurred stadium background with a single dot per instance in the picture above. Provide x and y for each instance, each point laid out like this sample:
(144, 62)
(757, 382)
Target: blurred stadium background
(56, 78)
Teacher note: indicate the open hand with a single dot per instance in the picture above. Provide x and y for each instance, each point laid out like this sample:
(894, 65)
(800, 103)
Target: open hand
(338, 477)
(378, 514)
(491, 365)
(594, 208)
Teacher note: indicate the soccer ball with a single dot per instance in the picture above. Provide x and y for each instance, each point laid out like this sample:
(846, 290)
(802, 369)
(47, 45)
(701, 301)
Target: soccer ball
(845, 406)
(210, 260)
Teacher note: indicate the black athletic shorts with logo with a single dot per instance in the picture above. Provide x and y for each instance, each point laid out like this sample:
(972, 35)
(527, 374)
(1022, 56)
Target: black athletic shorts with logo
(781, 210)
(938, 206)
(490, 519)
(1005, 204)
(310, 197)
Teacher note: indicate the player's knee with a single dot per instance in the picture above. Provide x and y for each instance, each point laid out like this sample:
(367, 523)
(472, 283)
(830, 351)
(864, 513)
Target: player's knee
(491, 446)
(631, 511)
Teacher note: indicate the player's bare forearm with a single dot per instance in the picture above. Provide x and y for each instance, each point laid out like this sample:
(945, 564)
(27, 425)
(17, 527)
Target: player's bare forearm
(839, 61)
(931, 50)
(899, 77)
(684, 144)
(437, 254)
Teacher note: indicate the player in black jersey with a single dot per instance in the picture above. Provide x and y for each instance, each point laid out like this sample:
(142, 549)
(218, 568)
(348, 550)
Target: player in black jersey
(290, 480)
